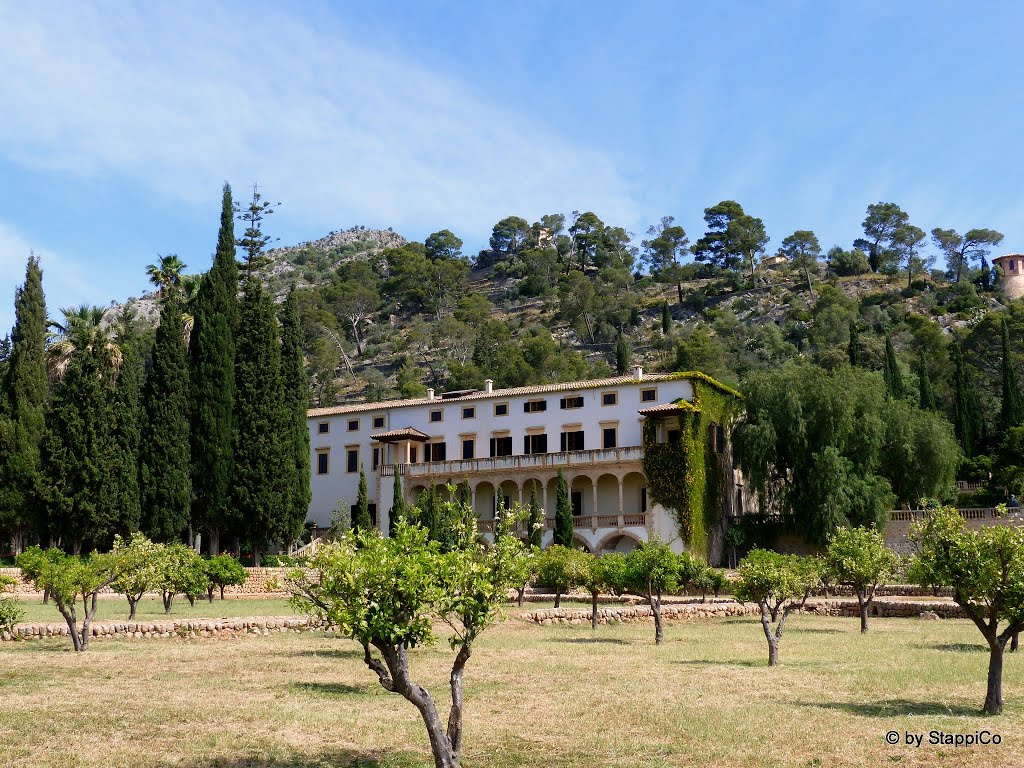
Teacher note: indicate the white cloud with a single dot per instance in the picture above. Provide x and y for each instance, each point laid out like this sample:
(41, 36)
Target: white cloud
(181, 97)
(65, 283)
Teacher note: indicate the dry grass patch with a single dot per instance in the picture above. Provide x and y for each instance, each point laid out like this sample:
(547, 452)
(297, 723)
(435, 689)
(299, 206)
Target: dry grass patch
(536, 696)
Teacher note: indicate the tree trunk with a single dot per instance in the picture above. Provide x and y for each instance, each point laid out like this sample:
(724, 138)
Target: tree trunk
(558, 598)
(521, 596)
(71, 621)
(863, 605)
(132, 605)
(1015, 642)
(994, 696)
(455, 715)
(221, 591)
(659, 630)
(214, 541)
(46, 596)
(168, 598)
(256, 557)
(593, 610)
(807, 276)
(679, 292)
(773, 641)
(209, 592)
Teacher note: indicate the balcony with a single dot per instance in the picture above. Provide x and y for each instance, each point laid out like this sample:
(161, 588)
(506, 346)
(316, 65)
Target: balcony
(535, 461)
(582, 522)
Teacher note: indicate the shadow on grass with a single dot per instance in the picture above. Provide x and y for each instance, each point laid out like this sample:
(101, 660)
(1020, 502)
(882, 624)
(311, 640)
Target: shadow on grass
(961, 647)
(711, 663)
(589, 640)
(797, 630)
(896, 708)
(328, 653)
(330, 689)
(339, 758)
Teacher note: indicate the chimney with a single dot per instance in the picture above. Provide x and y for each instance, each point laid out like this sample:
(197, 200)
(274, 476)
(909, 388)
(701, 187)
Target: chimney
(638, 372)
(488, 385)
(430, 393)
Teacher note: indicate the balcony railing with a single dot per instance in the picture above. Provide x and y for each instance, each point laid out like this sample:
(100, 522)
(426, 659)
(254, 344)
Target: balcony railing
(586, 522)
(513, 463)
(970, 513)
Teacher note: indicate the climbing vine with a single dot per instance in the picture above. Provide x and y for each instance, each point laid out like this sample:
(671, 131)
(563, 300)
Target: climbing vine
(686, 476)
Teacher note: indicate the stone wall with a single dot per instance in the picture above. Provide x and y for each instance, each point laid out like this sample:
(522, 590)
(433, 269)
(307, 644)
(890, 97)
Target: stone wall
(188, 628)
(259, 581)
(888, 609)
(681, 612)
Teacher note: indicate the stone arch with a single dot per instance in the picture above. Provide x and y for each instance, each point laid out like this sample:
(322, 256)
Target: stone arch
(607, 494)
(633, 486)
(580, 542)
(483, 503)
(618, 541)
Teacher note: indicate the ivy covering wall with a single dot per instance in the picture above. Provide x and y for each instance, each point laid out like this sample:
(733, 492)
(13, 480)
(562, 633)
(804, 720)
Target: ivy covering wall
(686, 476)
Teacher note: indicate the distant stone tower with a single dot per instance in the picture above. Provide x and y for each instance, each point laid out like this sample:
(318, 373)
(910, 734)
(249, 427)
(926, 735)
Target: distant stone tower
(1012, 267)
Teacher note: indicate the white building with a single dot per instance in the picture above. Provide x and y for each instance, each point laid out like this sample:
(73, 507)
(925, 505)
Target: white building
(506, 442)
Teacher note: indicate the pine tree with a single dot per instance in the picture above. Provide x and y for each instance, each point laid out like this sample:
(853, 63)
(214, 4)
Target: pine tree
(127, 419)
(361, 520)
(891, 372)
(23, 410)
(536, 521)
(966, 410)
(165, 477)
(623, 355)
(259, 489)
(295, 404)
(1012, 412)
(212, 354)
(666, 319)
(927, 393)
(563, 533)
(398, 511)
(854, 349)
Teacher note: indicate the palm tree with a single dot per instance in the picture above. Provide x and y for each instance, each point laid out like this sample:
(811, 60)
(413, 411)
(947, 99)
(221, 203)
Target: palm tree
(166, 273)
(83, 330)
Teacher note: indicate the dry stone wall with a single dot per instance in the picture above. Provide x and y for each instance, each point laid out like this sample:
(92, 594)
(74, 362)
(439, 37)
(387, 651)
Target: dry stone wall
(627, 614)
(259, 581)
(186, 628)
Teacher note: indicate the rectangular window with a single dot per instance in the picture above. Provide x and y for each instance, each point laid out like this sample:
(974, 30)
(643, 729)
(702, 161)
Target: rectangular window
(468, 447)
(501, 446)
(1013, 265)
(353, 425)
(608, 437)
(573, 401)
(469, 412)
(434, 452)
(572, 441)
(720, 438)
(413, 454)
(323, 427)
(535, 406)
(378, 422)
(501, 409)
(535, 444)
(437, 415)
(643, 499)
(323, 465)
(673, 436)
(576, 498)
(609, 398)
(376, 458)
(373, 513)
(351, 459)
(648, 395)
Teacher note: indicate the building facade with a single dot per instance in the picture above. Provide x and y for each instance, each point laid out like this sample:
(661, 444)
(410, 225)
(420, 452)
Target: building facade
(507, 444)
(1011, 268)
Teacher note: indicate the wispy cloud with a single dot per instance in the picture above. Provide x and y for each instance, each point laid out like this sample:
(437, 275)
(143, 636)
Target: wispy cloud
(177, 98)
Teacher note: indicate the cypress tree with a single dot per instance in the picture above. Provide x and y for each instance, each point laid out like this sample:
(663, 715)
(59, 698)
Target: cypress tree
(854, 349)
(398, 511)
(212, 359)
(666, 319)
(23, 410)
(127, 418)
(165, 477)
(563, 513)
(536, 519)
(622, 355)
(259, 488)
(1012, 412)
(295, 404)
(361, 520)
(891, 372)
(966, 411)
(466, 496)
(927, 393)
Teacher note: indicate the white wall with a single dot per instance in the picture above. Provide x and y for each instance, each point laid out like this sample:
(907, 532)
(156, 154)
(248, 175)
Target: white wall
(339, 484)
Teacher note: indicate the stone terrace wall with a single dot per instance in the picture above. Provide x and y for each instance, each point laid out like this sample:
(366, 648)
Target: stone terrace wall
(255, 625)
(259, 581)
(682, 612)
(888, 608)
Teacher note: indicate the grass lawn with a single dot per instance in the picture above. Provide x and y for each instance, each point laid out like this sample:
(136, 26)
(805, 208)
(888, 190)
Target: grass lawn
(536, 696)
(116, 608)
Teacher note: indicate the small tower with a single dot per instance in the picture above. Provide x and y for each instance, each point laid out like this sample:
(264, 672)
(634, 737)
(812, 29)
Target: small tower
(1011, 266)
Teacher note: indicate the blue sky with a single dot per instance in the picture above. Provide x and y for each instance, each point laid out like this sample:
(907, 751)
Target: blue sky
(119, 122)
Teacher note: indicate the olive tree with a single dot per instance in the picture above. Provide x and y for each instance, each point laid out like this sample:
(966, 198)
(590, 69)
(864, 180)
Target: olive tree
(652, 569)
(69, 579)
(985, 568)
(859, 559)
(779, 584)
(223, 571)
(387, 594)
(141, 573)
